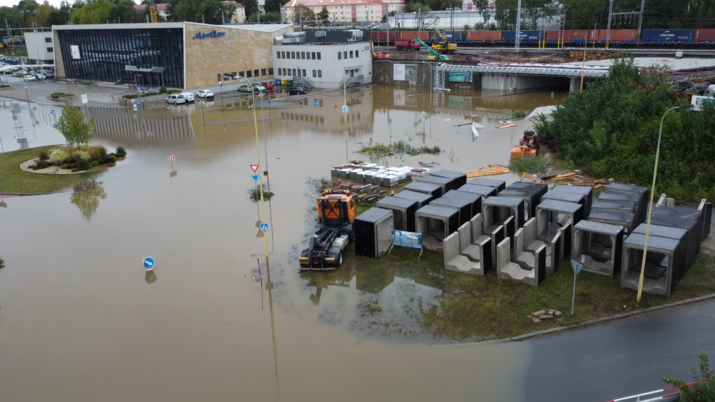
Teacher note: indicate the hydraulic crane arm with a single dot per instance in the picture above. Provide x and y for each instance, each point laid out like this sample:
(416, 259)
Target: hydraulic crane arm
(431, 51)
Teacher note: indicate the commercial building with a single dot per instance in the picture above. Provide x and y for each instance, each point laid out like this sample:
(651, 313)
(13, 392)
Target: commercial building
(181, 55)
(345, 10)
(323, 64)
(40, 47)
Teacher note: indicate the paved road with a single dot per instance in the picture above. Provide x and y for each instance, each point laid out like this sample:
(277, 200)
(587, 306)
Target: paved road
(622, 358)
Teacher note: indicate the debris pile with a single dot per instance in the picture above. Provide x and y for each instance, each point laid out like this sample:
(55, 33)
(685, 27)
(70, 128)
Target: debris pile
(573, 178)
(546, 314)
(492, 170)
(365, 192)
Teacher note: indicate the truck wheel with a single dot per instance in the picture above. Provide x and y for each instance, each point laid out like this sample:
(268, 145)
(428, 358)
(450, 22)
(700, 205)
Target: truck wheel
(339, 260)
(351, 234)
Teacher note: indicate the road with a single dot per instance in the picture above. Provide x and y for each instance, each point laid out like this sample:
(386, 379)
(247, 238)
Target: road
(622, 358)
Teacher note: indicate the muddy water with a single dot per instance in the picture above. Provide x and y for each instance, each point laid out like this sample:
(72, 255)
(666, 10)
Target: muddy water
(81, 320)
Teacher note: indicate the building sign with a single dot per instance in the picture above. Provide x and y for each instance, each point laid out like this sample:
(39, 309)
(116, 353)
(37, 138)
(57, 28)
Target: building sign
(212, 34)
(398, 73)
(74, 50)
(461, 76)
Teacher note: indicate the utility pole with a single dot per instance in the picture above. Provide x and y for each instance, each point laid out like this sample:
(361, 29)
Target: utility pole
(629, 13)
(518, 25)
(608, 29)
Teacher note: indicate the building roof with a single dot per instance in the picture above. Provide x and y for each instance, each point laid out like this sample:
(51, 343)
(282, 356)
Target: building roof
(325, 3)
(269, 28)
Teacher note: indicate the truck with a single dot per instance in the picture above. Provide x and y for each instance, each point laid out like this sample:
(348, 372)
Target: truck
(407, 45)
(333, 233)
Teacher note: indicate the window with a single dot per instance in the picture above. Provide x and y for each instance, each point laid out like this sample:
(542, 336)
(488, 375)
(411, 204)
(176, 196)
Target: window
(302, 55)
(304, 74)
(270, 71)
(356, 54)
(279, 71)
(351, 54)
(49, 50)
(314, 74)
(340, 56)
(48, 40)
(294, 74)
(299, 73)
(248, 74)
(255, 73)
(318, 55)
(263, 72)
(313, 54)
(283, 55)
(320, 73)
(292, 55)
(278, 55)
(345, 54)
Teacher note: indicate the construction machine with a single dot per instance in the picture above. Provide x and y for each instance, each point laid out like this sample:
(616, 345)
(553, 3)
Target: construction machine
(336, 213)
(433, 55)
(444, 46)
(528, 146)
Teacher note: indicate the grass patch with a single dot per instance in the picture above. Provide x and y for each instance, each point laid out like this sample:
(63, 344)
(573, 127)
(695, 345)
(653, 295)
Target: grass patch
(379, 150)
(477, 308)
(539, 164)
(517, 114)
(57, 95)
(255, 194)
(15, 181)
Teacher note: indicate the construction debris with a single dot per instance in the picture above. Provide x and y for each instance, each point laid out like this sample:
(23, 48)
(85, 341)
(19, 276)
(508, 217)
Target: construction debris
(492, 170)
(545, 314)
(507, 125)
(565, 178)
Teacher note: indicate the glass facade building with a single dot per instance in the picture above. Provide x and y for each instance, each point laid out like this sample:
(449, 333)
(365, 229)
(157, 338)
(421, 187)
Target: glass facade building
(103, 54)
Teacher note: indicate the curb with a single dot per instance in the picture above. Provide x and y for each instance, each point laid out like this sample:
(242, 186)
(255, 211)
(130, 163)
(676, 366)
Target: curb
(588, 322)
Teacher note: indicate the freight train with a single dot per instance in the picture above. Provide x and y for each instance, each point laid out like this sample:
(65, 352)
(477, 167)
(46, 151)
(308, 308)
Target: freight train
(620, 38)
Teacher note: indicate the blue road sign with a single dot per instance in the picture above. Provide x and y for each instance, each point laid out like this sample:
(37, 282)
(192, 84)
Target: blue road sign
(255, 177)
(389, 121)
(136, 107)
(315, 103)
(52, 111)
(264, 227)
(139, 89)
(25, 84)
(148, 263)
(345, 108)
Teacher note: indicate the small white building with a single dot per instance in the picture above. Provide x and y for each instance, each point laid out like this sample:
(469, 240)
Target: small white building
(323, 65)
(40, 47)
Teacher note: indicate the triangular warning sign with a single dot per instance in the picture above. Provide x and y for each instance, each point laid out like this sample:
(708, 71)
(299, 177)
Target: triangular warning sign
(259, 234)
(254, 168)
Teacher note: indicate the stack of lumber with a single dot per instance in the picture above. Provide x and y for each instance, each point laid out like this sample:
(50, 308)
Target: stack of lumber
(492, 170)
(366, 192)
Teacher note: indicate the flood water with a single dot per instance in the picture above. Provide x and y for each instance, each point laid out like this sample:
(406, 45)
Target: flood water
(81, 320)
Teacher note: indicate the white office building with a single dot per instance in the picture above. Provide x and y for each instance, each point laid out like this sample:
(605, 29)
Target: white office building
(320, 65)
(40, 47)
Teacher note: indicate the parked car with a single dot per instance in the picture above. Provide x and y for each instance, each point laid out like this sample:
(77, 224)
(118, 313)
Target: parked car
(267, 85)
(205, 93)
(188, 96)
(28, 78)
(176, 99)
(41, 76)
(249, 88)
(297, 91)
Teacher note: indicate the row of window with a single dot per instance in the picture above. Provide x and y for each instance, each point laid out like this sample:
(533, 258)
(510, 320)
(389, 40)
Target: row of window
(297, 72)
(298, 55)
(344, 54)
(255, 73)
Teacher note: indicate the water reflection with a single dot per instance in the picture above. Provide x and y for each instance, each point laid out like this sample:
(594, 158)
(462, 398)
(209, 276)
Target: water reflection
(86, 196)
(150, 277)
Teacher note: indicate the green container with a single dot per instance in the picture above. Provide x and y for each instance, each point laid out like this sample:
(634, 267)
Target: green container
(289, 83)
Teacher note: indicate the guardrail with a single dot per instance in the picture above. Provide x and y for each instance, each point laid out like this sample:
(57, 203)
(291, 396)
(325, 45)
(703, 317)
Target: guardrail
(661, 395)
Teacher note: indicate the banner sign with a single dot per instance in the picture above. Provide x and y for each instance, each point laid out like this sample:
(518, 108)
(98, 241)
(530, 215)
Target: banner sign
(460, 76)
(398, 73)
(406, 239)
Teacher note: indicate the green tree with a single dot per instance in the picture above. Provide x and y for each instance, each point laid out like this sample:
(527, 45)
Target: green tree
(62, 15)
(43, 14)
(212, 11)
(96, 12)
(124, 12)
(704, 391)
(266, 17)
(308, 14)
(74, 127)
(273, 6)
(323, 15)
(611, 130)
(251, 6)
(87, 195)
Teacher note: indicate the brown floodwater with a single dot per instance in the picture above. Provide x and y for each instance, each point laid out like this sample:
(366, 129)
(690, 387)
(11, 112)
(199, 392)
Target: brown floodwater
(80, 319)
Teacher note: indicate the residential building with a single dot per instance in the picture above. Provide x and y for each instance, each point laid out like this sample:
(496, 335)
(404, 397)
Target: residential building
(40, 46)
(345, 11)
(182, 55)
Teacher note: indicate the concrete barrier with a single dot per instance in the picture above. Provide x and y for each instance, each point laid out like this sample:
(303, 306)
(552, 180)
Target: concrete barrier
(454, 261)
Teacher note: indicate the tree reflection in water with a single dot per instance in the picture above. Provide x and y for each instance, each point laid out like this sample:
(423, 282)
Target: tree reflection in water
(86, 196)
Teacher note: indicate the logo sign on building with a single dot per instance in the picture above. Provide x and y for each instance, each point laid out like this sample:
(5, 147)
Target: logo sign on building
(212, 34)
(74, 51)
(460, 76)
(398, 73)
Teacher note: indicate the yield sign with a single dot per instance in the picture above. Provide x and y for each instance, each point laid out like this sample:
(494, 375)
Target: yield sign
(254, 168)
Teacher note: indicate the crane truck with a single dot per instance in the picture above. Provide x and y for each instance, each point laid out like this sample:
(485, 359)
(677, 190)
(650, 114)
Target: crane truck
(444, 46)
(336, 213)
(433, 55)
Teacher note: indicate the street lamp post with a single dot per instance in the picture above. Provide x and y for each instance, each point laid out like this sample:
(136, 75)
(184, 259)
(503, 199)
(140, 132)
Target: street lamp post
(583, 67)
(652, 194)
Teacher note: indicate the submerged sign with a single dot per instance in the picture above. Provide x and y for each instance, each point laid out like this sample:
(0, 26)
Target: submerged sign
(212, 34)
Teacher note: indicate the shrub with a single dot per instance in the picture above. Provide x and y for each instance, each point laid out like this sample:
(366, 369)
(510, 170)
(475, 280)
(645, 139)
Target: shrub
(44, 156)
(121, 152)
(255, 194)
(65, 166)
(94, 163)
(31, 167)
(82, 165)
(162, 90)
(97, 152)
(41, 165)
(538, 164)
(84, 147)
(59, 156)
(110, 158)
(704, 390)
(57, 95)
(80, 155)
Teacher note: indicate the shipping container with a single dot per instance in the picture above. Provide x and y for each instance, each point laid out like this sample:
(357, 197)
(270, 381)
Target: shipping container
(661, 36)
(483, 36)
(617, 35)
(524, 36)
(381, 36)
(455, 36)
(705, 35)
(576, 37)
(409, 35)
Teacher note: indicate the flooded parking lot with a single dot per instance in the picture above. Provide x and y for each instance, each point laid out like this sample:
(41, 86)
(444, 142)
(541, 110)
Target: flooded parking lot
(80, 319)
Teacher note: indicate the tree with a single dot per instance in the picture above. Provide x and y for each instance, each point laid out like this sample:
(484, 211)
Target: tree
(74, 127)
(308, 14)
(704, 391)
(323, 14)
(211, 11)
(62, 15)
(124, 12)
(43, 14)
(266, 17)
(96, 12)
(251, 6)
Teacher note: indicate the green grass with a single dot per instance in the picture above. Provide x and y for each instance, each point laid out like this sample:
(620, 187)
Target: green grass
(56, 95)
(477, 308)
(15, 181)
(538, 164)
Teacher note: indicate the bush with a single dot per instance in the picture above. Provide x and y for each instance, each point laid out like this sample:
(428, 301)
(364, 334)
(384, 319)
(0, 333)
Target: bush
(83, 165)
(65, 166)
(110, 158)
(255, 194)
(80, 155)
(530, 165)
(59, 156)
(97, 152)
(162, 90)
(41, 164)
(84, 147)
(57, 95)
(121, 152)
(94, 163)
(44, 156)
(704, 390)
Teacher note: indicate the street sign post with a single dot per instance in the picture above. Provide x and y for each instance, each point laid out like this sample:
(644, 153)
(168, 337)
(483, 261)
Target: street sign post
(576, 266)
(171, 159)
(135, 107)
(315, 103)
(52, 111)
(389, 121)
(148, 263)
(345, 108)
(84, 98)
(264, 227)
(25, 85)
(254, 168)
(255, 177)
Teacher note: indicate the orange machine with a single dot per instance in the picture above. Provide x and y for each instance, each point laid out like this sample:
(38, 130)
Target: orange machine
(528, 146)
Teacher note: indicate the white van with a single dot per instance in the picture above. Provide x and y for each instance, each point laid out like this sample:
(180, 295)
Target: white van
(176, 99)
(188, 96)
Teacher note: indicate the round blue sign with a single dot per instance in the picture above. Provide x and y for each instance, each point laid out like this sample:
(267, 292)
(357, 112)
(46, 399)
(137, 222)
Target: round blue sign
(148, 263)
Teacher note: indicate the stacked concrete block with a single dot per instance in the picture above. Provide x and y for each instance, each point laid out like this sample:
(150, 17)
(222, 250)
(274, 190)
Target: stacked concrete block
(499, 185)
(639, 212)
(421, 199)
(673, 233)
(403, 210)
(455, 261)
(484, 191)
(496, 210)
(431, 189)
(478, 252)
(598, 246)
(553, 216)
(461, 205)
(444, 182)
(373, 232)
(642, 192)
(531, 242)
(613, 205)
(587, 192)
(564, 196)
(663, 261)
(528, 269)
(435, 223)
(459, 178)
(474, 199)
(531, 192)
(613, 217)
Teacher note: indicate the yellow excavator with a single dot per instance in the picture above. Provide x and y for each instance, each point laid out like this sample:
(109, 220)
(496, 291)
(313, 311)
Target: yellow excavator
(444, 46)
